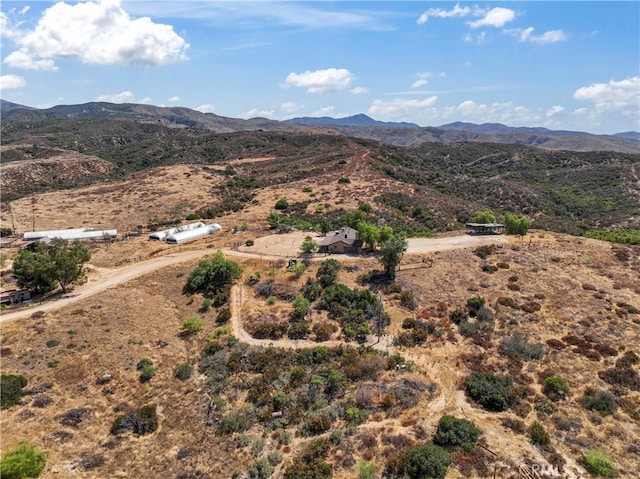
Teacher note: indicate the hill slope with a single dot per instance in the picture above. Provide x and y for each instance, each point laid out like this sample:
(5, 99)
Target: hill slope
(359, 126)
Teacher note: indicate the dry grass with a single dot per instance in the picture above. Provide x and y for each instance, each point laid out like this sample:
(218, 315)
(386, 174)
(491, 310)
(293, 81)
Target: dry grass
(111, 331)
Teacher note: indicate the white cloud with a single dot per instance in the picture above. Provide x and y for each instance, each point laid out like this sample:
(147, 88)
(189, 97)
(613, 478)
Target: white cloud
(456, 11)
(554, 110)
(9, 82)
(122, 97)
(99, 32)
(321, 81)
(21, 59)
(290, 106)
(622, 96)
(359, 90)
(526, 35)
(496, 17)
(174, 99)
(398, 107)
(206, 108)
(254, 113)
(420, 82)
(324, 111)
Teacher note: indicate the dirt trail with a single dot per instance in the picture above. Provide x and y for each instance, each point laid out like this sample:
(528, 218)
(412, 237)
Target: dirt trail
(108, 278)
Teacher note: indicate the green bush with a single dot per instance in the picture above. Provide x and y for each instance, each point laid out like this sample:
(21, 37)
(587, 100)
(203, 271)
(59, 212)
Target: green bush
(281, 204)
(425, 461)
(598, 463)
(206, 305)
(366, 470)
(474, 304)
(538, 435)
(311, 463)
(183, 372)
(518, 345)
(212, 276)
(147, 373)
(603, 402)
(11, 389)
(249, 242)
(555, 387)
(23, 461)
(454, 432)
(490, 391)
(191, 325)
(140, 422)
(343, 180)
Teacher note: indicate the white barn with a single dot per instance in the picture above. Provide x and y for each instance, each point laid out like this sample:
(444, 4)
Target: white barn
(193, 234)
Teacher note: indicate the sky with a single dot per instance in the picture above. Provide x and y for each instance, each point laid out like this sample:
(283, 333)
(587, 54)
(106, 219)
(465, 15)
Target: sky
(560, 65)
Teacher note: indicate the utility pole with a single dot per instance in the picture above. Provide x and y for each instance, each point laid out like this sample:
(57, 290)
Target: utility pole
(33, 213)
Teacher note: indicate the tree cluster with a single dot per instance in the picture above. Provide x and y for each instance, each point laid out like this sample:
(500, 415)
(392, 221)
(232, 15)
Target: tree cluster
(59, 263)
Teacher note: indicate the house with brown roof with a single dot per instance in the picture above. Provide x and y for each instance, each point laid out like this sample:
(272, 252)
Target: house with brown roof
(341, 241)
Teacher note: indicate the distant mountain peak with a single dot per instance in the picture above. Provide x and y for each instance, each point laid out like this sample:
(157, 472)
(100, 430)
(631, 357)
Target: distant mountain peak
(355, 120)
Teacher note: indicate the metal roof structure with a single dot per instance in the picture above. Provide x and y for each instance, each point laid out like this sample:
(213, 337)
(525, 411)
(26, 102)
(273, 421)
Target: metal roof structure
(71, 234)
(193, 234)
(161, 235)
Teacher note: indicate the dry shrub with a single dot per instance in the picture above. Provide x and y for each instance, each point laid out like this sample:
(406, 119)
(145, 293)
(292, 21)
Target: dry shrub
(530, 307)
(555, 344)
(477, 464)
(509, 302)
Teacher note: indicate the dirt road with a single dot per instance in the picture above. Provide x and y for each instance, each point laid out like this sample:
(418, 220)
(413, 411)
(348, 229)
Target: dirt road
(278, 245)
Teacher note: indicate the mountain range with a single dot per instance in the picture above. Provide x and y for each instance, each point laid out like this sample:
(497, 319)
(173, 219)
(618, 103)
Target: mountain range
(357, 126)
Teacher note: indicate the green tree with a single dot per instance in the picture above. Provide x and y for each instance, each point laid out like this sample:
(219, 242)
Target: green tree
(484, 217)
(300, 307)
(23, 461)
(59, 263)
(328, 272)
(368, 234)
(308, 245)
(212, 276)
(516, 225)
(274, 220)
(386, 233)
(324, 226)
(352, 218)
(391, 252)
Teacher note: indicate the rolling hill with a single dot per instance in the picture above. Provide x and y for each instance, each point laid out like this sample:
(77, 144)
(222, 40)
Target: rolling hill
(357, 126)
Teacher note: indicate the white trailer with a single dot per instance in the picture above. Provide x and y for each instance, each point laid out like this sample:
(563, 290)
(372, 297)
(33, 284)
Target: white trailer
(161, 235)
(193, 234)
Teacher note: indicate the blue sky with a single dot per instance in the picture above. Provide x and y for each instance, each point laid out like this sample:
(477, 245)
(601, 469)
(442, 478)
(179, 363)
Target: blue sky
(561, 65)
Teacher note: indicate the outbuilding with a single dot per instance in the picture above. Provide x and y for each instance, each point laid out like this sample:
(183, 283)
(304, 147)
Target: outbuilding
(485, 228)
(193, 234)
(71, 234)
(162, 235)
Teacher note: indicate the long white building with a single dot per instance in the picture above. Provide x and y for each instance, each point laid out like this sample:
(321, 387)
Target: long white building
(71, 234)
(193, 234)
(162, 235)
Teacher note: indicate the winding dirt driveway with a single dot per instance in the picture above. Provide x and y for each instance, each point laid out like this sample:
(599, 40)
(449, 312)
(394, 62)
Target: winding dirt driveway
(108, 278)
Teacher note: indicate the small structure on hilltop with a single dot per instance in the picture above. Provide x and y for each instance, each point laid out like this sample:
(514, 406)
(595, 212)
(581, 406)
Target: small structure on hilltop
(72, 234)
(193, 234)
(341, 241)
(162, 235)
(485, 228)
